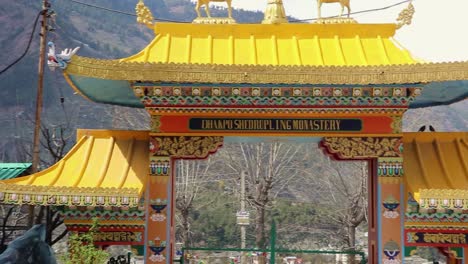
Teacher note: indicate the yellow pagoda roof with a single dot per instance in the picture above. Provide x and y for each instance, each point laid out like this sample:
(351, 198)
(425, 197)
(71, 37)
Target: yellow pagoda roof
(284, 45)
(269, 53)
(436, 165)
(104, 168)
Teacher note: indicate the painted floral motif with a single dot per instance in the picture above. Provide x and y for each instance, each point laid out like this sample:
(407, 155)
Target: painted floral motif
(216, 91)
(157, 258)
(391, 204)
(391, 251)
(357, 92)
(155, 217)
(196, 91)
(397, 92)
(377, 92)
(337, 92)
(256, 92)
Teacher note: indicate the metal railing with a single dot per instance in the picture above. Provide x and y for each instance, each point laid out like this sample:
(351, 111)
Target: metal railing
(273, 253)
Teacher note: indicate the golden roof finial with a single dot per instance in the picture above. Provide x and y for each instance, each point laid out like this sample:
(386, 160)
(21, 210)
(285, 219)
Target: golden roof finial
(405, 16)
(144, 15)
(274, 13)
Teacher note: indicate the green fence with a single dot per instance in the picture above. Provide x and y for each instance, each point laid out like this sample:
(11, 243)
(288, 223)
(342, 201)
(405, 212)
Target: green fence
(271, 256)
(252, 255)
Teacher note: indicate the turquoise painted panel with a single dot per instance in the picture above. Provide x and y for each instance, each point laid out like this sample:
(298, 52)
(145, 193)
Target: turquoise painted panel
(441, 93)
(117, 92)
(107, 91)
(12, 170)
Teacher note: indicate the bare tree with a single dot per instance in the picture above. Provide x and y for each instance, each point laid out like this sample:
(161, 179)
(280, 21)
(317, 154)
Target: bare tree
(269, 167)
(12, 221)
(191, 179)
(343, 188)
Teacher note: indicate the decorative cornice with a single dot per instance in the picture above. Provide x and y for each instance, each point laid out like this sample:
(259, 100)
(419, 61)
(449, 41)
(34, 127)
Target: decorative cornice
(69, 196)
(274, 111)
(184, 147)
(274, 96)
(443, 199)
(359, 148)
(208, 73)
(419, 218)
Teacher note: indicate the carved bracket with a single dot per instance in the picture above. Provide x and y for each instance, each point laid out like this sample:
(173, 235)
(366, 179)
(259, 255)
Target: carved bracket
(361, 148)
(184, 147)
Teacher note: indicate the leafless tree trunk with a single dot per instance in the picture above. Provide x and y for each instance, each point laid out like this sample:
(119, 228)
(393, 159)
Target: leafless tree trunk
(191, 177)
(269, 167)
(344, 186)
(12, 221)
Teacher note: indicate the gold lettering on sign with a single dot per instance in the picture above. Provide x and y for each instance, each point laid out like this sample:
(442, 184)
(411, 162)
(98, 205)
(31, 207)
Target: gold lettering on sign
(122, 236)
(444, 238)
(279, 124)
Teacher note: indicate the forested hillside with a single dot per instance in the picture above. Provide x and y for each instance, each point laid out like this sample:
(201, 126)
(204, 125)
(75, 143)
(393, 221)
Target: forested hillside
(99, 33)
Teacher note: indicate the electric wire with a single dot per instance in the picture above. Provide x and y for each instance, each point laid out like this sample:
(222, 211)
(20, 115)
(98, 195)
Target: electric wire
(174, 21)
(358, 12)
(27, 47)
(123, 12)
(179, 21)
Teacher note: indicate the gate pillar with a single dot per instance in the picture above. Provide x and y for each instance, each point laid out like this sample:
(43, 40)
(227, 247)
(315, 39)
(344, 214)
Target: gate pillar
(385, 190)
(160, 189)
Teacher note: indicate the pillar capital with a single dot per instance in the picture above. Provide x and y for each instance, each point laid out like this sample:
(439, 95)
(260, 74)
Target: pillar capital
(362, 148)
(184, 147)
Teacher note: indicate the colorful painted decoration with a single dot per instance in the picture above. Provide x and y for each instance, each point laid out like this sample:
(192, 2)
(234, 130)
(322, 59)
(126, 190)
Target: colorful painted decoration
(59, 60)
(391, 204)
(391, 251)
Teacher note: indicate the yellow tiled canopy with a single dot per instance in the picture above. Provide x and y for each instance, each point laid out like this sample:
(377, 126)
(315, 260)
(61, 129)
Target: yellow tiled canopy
(103, 168)
(436, 165)
(285, 44)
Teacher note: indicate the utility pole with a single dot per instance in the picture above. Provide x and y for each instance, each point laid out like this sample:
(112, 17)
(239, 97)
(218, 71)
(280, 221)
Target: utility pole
(243, 227)
(40, 86)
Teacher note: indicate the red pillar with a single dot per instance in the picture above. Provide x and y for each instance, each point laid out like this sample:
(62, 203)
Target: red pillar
(159, 212)
(390, 213)
(160, 189)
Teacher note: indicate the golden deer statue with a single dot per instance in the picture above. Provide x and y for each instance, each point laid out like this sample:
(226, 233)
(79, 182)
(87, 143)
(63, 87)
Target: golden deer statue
(343, 3)
(205, 3)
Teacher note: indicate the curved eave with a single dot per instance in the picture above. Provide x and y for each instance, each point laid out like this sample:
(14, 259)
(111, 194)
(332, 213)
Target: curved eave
(114, 92)
(441, 93)
(104, 168)
(109, 81)
(268, 74)
(436, 161)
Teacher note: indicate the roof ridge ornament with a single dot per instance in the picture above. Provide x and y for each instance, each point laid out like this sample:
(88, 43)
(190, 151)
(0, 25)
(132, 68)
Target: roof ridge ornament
(335, 19)
(144, 15)
(406, 16)
(274, 13)
(209, 19)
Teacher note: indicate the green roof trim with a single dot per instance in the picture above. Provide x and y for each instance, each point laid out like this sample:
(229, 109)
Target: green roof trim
(12, 170)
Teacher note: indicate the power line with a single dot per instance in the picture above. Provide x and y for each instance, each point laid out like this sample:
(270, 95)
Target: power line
(123, 12)
(178, 21)
(359, 12)
(27, 47)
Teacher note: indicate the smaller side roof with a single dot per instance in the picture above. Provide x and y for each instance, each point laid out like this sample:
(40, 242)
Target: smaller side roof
(12, 170)
(436, 169)
(104, 168)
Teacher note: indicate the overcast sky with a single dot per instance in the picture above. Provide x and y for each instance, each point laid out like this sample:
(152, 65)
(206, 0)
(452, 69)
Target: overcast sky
(439, 31)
